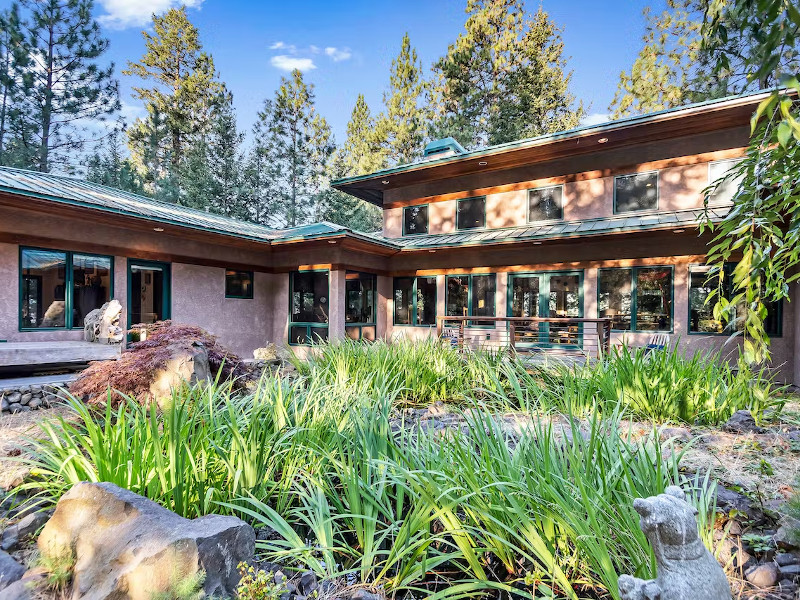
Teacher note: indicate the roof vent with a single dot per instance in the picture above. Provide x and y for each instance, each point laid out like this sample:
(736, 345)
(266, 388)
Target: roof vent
(442, 149)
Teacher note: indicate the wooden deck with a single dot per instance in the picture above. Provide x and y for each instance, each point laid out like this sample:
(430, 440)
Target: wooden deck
(32, 354)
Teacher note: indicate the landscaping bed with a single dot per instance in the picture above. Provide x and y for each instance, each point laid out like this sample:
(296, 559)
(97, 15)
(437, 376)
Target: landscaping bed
(414, 470)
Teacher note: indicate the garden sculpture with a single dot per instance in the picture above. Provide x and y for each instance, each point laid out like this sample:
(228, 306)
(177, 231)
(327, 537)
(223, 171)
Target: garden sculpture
(686, 569)
(102, 324)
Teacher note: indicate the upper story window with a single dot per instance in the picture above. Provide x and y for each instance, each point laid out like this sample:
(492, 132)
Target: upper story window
(727, 183)
(471, 213)
(239, 284)
(638, 191)
(546, 204)
(415, 220)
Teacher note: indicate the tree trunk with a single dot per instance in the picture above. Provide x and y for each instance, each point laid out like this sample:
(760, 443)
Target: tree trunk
(47, 107)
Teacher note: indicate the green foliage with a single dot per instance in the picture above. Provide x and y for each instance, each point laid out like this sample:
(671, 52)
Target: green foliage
(183, 588)
(58, 567)
(661, 386)
(504, 78)
(763, 226)
(760, 544)
(257, 584)
(109, 166)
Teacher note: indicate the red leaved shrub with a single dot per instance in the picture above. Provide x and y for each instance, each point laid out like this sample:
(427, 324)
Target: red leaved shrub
(133, 372)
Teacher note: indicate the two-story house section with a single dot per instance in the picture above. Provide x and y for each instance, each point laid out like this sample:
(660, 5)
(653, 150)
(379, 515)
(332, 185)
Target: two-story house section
(597, 222)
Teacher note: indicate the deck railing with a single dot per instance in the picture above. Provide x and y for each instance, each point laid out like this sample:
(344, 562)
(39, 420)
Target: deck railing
(591, 337)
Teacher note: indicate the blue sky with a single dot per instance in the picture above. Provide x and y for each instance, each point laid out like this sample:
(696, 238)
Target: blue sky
(251, 41)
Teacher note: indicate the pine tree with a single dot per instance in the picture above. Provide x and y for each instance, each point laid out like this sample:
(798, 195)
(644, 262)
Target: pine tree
(403, 125)
(261, 175)
(15, 58)
(504, 78)
(185, 89)
(361, 153)
(300, 145)
(68, 87)
(109, 166)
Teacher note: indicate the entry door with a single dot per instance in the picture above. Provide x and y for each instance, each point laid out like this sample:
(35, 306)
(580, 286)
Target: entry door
(148, 292)
(548, 294)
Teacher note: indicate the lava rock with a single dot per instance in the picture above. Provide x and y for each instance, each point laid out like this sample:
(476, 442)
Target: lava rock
(729, 501)
(10, 570)
(763, 576)
(789, 571)
(308, 583)
(785, 559)
(10, 540)
(742, 422)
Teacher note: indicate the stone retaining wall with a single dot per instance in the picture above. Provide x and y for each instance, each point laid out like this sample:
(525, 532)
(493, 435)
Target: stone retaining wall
(24, 398)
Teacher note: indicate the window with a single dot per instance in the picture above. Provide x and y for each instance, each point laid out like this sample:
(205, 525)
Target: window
(727, 188)
(308, 293)
(414, 300)
(415, 220)
(636, 299)
(638, 191)
(545, 204)
(471, 295)
(359, 310)
(58, 289)
(239, 284)
(471, 213)
(701, 312)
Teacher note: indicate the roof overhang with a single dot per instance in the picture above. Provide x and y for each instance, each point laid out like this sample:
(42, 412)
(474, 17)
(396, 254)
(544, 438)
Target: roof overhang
(674, 123)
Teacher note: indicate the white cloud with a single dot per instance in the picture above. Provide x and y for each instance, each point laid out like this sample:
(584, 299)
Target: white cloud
(314, 49)
(290, 63)
(595, 119)
(121, 14)
(279, 45)
(338, 54)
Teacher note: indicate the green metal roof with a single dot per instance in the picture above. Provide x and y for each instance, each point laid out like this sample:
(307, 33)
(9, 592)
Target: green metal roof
(561, 229)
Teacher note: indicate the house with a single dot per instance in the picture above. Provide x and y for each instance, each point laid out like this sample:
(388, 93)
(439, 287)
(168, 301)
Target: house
(599, 222)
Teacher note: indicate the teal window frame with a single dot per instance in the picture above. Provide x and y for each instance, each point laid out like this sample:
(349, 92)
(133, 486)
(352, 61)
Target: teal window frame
(471, 198)
(729, 266)
(360, 325)
(68, 289)
(528, 204)
(414, 321)
(634, 297)
(309, 325)
(427, 219)
(249, 296)
(470, 292)
(166, 293)
(639, 210)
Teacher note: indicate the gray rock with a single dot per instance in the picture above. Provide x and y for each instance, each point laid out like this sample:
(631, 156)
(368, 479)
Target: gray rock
(783, 559)
(10, 570)
(686, 569)
(10, 540)
(788, 535)
(763, 576)
(362, 594)
(35, 403)
(24, 389)
(14, 408)
(307, 583)
(742, 422)
(30, 523)
(789, 571)
(729, 501)
(679, 433)
(25, 398)
(3, 404)
(36, 389)
(13, 397)
(128, 546)
(787, 586)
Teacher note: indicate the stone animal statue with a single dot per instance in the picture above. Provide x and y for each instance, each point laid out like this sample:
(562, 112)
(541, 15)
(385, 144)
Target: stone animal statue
(686, 569)
(102, 324)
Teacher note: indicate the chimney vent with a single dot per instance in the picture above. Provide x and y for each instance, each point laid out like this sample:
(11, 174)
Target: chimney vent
(442, 149)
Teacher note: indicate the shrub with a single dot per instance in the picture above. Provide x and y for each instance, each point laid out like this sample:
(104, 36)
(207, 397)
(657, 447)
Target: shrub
(132, 373)
(257, 584)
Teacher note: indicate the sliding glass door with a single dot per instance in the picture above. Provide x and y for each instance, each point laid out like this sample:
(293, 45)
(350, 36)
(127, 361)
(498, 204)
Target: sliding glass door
(554, 294)
(149, 288)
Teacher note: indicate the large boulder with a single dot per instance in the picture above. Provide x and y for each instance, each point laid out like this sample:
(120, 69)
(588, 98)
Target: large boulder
(102, 324)
(127, 547)
(187, 363)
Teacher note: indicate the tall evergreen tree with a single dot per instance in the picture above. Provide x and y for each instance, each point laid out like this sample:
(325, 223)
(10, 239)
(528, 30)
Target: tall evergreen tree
(15, 58)
(261, 176)
(361, 153)
(504, 78)
(300, 145)
(403, 125)
(185, 89)
(109, 166)
(68, 87)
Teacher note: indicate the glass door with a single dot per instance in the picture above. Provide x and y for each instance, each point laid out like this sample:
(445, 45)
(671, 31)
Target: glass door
(548, 294)
(148, 292)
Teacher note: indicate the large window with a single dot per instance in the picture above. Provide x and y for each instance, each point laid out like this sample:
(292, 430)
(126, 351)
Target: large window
(636, 299)
(239, 284)
(638, 191)
(415, 220)
(471, 296)
(545, 204)
(58, 289)
(308, 294)
(471, 213)
(414, 300)
(727, 183)
(359, 309)
(701, 312)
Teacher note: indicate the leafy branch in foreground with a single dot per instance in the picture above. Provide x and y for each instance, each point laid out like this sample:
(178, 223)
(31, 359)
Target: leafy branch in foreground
(763, 225)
